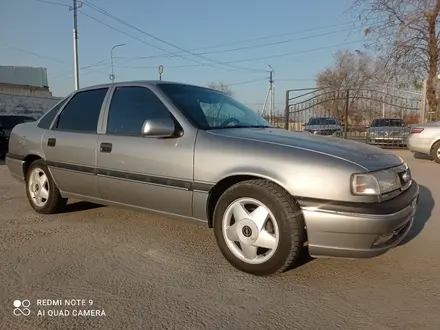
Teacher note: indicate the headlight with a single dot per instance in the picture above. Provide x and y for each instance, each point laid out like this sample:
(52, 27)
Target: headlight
(371, 133)
(376, 183)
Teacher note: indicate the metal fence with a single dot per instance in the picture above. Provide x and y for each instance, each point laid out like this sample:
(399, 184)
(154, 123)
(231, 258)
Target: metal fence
(379, 117)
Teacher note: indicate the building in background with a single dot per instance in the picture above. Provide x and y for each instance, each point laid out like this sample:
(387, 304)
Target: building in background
(25, 90)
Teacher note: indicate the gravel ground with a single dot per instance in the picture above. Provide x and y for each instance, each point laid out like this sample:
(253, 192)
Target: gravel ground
(149, 272)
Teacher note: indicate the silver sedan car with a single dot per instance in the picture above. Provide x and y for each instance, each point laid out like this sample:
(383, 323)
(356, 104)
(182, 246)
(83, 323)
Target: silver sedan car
(425, 139)
(196, 154)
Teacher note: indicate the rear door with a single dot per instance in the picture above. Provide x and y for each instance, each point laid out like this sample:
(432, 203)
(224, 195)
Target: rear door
(70, 145)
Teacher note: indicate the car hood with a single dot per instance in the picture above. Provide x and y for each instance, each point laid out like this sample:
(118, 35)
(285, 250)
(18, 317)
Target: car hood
(322, 127)
(371, 157)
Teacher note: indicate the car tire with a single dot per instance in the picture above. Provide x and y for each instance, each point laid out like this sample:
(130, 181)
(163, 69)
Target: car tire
(284, 223)
(39, 180)
(435, 152)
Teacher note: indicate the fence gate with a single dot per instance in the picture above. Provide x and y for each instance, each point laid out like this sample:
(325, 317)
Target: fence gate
(378, 117)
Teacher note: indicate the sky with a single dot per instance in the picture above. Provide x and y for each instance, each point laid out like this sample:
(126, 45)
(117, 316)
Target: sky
(192, 39)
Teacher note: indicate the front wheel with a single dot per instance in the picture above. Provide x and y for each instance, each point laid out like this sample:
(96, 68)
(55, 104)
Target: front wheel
(42, 193)
(259, 227)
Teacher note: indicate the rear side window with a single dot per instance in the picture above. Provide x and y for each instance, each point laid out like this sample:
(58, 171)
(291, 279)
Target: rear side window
(47, 118)
(81, 114)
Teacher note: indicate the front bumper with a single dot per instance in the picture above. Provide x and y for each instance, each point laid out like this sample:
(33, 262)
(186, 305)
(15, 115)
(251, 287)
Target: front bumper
(356, 230)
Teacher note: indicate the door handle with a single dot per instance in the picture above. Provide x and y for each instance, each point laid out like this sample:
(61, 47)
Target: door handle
(105, 147)
(51, 142)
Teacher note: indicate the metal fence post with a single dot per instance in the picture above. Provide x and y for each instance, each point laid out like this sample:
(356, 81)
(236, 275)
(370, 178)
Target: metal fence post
(286, 112)
(347, 104)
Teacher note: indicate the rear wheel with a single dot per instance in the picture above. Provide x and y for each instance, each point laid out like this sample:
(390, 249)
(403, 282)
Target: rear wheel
(42, 193)
(435, 152)
(259, 228)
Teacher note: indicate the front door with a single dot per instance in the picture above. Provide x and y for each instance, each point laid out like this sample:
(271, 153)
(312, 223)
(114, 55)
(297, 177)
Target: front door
(146, 172)
(70, 146)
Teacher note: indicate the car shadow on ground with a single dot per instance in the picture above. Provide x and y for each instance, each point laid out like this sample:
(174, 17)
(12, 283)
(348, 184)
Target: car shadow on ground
(304, 259)
(81, 206)
(418, 155)
(423, 214)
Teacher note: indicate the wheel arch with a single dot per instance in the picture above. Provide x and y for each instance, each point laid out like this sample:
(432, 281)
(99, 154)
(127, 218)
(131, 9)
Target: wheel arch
(433, 144)
(225, 183)
(28, 160)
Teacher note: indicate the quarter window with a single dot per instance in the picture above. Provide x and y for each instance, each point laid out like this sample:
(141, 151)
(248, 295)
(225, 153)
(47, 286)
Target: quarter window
(81, 114)
(48, 117)
(130, 107)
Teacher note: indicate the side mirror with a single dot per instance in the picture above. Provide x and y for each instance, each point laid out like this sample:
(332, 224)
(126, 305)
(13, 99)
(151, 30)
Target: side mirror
(367, 126)
(159, 128)
(304, 124)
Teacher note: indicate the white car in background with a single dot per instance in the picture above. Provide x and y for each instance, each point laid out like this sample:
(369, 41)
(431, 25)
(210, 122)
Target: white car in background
(425, 139)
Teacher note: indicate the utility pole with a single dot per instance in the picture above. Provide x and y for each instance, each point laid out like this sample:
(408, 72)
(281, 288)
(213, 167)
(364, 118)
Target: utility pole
(270, 93)
(75, 42)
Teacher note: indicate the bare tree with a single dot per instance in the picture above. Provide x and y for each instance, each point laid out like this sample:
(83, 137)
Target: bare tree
(221, 87)
(406, 35)
(352, 72)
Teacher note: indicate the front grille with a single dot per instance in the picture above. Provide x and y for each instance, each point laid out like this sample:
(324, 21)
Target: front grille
(326, 131)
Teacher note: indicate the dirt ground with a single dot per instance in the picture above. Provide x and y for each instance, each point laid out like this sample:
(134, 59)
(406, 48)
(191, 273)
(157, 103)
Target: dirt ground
(149, 272)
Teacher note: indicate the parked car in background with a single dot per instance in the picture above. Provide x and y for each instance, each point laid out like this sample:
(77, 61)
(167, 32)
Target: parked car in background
(7, 123)
(425, 139)
(265, 191)
(391, 132)
(323, 125)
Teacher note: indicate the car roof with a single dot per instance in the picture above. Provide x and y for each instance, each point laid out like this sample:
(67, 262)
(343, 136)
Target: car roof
(138, 82)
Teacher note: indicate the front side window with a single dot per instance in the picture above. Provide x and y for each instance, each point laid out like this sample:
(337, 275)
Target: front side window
(130, 107)
(81, 114)
(210, 109)
(48, 117)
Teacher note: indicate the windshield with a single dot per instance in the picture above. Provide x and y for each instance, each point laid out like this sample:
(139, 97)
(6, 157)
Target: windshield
(8, 122)
(322, 121)
(383, 122)
(210, 109)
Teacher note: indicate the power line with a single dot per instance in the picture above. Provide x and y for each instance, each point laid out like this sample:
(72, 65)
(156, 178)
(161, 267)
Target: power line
(247, 82)
(37, 55)
(258, 58)
(234, 42)
(53, 3)
(273, 36)
(215, 62)
(88, 67)
(147, 43)
(105, 13)
(247, 47)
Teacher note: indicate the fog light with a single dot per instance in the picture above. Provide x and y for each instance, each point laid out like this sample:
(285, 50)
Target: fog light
(383, 239)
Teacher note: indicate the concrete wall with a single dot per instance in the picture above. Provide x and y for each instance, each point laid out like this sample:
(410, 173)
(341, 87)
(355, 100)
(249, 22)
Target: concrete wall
(25, 90)
(20, 104)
